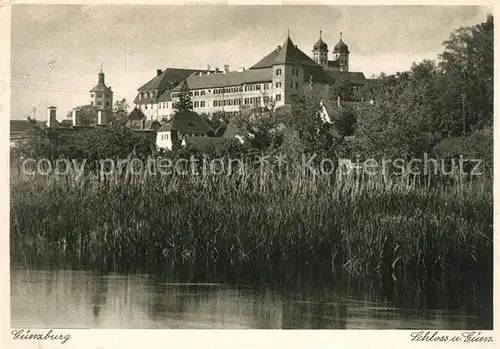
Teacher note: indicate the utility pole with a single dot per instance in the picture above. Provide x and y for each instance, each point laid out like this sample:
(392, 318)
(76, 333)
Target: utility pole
(34, 113)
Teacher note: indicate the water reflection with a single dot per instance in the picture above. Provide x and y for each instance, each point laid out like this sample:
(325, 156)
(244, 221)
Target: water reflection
(64, 298)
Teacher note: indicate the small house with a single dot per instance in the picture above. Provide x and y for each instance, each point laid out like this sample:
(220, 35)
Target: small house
(183, 124)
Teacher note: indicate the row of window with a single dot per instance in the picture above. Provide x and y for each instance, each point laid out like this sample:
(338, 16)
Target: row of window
(295, 72)
(239, 101)
(165, 136)
(146, 95)
(197, 93)
(199, 104)
(100, 95)
(99, 103)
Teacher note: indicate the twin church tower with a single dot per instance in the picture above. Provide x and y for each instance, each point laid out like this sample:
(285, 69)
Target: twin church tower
(340, 51)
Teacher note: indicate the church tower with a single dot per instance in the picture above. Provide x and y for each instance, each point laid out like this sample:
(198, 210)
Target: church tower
(320, 51)
(101, 96)
(341, 53)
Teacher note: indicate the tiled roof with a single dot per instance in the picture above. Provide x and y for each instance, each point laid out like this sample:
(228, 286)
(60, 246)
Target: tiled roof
(354, 77)
(101, 87)
(227, 79)
(136, 114)
(19, 126)
(318, 75)
(143, 124)
(66, 123)
(232, 130)
(335, 63)
(165, 97)
(168, 79)
(188, 123)
(288, 53)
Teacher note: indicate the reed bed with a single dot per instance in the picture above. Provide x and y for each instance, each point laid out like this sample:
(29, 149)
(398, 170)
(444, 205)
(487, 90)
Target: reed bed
(362, 225)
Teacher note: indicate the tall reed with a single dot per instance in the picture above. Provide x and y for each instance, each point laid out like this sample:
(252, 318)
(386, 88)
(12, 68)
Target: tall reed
(363, 225)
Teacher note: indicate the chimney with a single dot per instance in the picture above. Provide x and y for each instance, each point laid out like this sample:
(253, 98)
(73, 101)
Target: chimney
(208, 67)
(101, 117)
(76, 117)
(278, 48)
(158, 72)
(51, 117)
(226, 67)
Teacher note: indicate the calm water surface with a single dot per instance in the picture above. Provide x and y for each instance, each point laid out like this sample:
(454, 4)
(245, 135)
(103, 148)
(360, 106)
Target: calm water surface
(69, 298)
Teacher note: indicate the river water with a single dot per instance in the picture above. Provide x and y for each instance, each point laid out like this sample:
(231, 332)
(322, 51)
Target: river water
(63, 297)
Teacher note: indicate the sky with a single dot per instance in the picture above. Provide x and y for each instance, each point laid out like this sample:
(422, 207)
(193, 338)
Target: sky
(57, 50)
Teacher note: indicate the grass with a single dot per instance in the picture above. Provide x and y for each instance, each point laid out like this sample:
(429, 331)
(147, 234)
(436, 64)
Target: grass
(363, 226)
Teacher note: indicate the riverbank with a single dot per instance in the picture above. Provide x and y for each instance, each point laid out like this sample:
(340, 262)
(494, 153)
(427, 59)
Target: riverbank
(360, 226)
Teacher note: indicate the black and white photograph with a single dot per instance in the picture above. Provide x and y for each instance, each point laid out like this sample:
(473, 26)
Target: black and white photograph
(306, 167)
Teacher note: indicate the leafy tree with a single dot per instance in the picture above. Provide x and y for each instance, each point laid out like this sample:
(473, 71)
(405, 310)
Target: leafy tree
(120, 112)
(345, 121)
(401, 122)
(467, 87)
(88, 115)
(184, 103)
(316, 136)
(119, 142)
(343, 89)
(262, 131)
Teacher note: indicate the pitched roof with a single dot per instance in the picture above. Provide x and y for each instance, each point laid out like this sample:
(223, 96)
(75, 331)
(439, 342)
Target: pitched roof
(19, 126)
(288, 53)
(233, 130)
(187, 122)
(136, 114)
(227, 79)
(168, 79)
(100, 88)
(165, 97)
(354, 77)
(319, 75)
(335, 63)
(66, 123)
(143, 124)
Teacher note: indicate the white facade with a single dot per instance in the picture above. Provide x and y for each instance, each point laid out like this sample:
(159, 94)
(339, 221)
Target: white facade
(157, 111)
(164, 140)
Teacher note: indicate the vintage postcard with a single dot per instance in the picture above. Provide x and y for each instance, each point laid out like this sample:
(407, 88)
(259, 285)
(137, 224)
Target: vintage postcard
(226, 167)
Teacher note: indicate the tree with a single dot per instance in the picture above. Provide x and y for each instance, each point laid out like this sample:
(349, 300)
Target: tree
(467, 67)
(402, 121)
(120, 112)
(345, 121)
(184, 103)
(343, 89)
(88, 115)
(316, 137)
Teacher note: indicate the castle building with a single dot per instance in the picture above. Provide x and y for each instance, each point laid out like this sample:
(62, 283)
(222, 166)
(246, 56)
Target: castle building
(283, 72)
